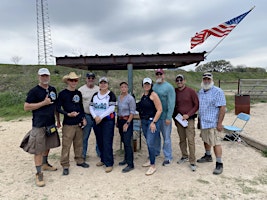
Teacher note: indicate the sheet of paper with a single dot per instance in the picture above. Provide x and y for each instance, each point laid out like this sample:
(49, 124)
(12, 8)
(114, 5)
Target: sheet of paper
(179, 118)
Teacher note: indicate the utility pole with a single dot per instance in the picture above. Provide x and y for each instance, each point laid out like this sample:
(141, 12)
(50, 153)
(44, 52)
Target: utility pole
(45, 50)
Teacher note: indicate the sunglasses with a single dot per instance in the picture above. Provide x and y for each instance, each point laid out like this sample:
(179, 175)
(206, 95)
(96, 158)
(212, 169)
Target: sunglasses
(158, 74)
(73, 80)
(179, 80)
(91, 78)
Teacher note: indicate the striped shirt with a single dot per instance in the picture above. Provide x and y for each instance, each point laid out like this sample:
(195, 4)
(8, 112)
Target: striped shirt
(210, 102)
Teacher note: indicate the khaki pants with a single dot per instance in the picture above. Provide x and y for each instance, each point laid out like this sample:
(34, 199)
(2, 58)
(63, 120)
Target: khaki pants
(71, 134)
(187, 136)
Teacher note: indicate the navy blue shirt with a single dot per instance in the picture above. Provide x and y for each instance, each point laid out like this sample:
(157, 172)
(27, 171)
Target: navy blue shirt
(44, 116)
(70, 101)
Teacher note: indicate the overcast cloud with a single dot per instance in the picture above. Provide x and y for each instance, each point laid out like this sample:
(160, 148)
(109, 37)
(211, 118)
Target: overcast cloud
(118, 27)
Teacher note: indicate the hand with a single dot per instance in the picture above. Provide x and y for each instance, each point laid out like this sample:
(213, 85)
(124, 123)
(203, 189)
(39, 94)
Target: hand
(97, 119)
(73, 114)
(47, 101)
(84, 122)
(125, 127)
(219, 127)
(167, 122)
(153, 127)
(185, 117)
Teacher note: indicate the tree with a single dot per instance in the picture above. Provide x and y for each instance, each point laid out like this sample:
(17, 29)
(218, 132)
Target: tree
(16, 59)
(215, 66)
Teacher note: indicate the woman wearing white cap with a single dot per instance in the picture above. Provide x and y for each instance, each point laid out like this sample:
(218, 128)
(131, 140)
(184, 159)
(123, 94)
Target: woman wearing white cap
(150, 109)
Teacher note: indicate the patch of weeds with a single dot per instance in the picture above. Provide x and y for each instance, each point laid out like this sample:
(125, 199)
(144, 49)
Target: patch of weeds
(54, 156)
(262, 178)
(203, 181)
(264, 153)
(247, 189)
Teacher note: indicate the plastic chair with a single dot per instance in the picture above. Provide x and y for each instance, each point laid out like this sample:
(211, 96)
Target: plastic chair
(237, 127)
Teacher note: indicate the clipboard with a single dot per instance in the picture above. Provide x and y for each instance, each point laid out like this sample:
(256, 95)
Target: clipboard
(179, 118)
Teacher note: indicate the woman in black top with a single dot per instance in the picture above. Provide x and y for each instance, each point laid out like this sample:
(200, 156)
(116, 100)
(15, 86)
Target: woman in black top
(150, 109)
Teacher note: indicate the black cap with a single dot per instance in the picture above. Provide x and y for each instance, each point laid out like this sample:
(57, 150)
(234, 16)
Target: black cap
(90, 74)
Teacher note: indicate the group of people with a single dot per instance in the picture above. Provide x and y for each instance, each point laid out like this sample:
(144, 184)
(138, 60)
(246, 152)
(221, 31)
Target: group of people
(93, 106)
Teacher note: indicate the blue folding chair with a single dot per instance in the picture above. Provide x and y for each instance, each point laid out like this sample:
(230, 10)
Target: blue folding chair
(237, 127)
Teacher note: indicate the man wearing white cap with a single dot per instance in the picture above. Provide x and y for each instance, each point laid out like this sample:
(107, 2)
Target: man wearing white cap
(41, 100)
(212, 105)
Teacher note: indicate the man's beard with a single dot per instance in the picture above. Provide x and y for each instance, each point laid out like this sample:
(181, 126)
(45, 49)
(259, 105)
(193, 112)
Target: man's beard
(159, 80)
(207, 86)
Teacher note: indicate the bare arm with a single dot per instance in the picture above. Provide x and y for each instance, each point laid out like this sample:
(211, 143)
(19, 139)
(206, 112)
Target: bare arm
(220, 119)
(35, 106)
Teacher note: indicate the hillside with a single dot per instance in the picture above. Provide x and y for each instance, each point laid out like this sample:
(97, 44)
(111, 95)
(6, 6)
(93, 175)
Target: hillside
(16, 80)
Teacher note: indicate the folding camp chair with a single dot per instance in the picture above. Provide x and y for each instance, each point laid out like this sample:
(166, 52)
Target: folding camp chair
(237, 127)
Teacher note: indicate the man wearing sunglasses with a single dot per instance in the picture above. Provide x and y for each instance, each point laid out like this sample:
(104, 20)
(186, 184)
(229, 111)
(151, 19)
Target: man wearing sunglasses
(166, 94)
(87, 91)
(186, 104)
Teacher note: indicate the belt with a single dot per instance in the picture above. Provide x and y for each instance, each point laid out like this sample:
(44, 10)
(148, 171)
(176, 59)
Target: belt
(124, 117)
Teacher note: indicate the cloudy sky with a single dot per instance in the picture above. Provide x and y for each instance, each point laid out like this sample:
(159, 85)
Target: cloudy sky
(104, 27)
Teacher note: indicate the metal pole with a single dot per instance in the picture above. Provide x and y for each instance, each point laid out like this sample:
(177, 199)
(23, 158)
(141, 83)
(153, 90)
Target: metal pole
(130, 78)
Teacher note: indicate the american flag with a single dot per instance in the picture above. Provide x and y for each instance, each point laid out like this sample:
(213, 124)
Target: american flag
(218, 31)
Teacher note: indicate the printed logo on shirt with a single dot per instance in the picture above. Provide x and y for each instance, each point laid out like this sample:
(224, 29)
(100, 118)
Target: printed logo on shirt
(76, 98)
(101, 106)
(53, 95)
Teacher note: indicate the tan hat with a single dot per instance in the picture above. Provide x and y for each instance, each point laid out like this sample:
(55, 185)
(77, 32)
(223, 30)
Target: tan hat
(71, 75)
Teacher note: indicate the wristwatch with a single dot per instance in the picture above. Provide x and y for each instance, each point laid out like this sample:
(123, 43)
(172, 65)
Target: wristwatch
(127, 123)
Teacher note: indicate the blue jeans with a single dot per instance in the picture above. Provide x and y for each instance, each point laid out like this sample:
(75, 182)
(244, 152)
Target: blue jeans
(167, 143)
(104, 136)
(150, 139)
(126, 138)
(86, 134)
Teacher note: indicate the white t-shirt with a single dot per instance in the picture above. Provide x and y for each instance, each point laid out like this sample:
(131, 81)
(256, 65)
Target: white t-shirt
(87, 94)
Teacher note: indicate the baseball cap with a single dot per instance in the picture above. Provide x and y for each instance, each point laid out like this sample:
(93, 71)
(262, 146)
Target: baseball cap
(43, 71)
(159, 71)
(147, 80)
(123, 82)
(207, 75)
(90, 74)
(103, 79)
(180, 76)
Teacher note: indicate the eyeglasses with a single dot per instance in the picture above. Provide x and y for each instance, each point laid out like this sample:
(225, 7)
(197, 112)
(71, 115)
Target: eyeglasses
(73, 80)
(91, 78)
(158, 74)
(179, 80)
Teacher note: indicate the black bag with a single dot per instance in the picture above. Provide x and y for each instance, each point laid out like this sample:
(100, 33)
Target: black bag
(50, 130)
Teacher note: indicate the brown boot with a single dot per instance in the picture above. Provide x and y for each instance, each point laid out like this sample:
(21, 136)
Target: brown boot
(48, 167)
(39, 180)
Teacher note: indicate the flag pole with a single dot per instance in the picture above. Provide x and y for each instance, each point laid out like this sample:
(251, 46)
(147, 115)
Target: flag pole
(223, 38)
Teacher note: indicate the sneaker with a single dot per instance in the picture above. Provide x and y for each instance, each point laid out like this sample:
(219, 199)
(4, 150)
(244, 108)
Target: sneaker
(166, 162)
(193, 167)
(182, 160)
(218, 169)
(127, 169)
(48, 167)
(84, 165)
(99, 164)
(151, 171)
(205, 158)
(108, 169)
(65, 171)
(147, 164)
(122, 163)
(39, 179)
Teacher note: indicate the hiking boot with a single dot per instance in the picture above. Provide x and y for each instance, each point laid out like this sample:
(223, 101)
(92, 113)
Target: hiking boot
(182, 160)
(39, 180)
(99, 164)
(218, 169)
(84, 165)
(193, 167)
(166, 162)
(65, 171)
(147, 164)
(48, 167)
(205, 158)
(108, 169)
(127, 169)
(122, 163)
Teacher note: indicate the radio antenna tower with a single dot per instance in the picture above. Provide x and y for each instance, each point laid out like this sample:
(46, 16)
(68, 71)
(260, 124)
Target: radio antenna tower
(45, 50)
